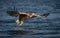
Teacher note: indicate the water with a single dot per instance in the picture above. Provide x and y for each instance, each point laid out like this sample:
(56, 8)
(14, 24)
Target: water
(34, 28)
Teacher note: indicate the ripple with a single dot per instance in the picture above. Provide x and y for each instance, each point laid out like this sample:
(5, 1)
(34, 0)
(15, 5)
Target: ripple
(7, 21)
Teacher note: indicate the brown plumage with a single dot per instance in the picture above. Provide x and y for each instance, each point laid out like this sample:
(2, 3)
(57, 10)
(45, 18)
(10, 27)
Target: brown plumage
(24, 16)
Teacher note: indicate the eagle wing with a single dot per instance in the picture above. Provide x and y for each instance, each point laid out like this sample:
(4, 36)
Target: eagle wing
(45, 14)
(42, 16)
(13, 13)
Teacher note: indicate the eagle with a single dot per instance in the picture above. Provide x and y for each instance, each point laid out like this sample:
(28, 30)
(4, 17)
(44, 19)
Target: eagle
(22, 16)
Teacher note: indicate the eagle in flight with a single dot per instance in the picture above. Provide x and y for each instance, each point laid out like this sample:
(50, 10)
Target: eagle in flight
(22, 16)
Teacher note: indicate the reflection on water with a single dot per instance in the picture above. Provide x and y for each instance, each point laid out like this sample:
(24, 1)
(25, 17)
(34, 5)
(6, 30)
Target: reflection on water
(19, 31)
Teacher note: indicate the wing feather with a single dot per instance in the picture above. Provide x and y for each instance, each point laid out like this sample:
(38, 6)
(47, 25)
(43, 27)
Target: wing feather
(13, 13)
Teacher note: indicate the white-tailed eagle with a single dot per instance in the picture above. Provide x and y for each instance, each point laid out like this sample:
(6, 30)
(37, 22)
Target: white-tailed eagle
(24, 16)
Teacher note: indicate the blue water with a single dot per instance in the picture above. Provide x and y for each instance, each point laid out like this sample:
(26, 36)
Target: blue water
(34, 28)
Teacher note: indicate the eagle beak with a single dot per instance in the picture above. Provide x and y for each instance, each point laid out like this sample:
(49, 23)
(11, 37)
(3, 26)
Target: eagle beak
(19, 22)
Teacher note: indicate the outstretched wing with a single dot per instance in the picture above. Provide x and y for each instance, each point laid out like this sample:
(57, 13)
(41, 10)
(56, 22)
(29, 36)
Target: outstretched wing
(13, 13)
(45, 15)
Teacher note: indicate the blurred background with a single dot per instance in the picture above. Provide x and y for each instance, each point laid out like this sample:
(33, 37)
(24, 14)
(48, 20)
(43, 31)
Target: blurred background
(34, 28)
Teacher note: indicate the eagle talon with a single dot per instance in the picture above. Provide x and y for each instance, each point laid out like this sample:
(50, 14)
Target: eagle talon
(19, 22)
